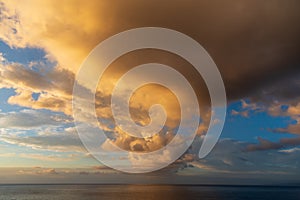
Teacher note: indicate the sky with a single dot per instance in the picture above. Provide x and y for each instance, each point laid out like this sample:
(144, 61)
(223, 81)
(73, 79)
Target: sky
(255, 45)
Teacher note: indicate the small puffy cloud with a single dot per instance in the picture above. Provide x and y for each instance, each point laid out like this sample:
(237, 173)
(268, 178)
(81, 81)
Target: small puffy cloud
(50, 171)
(292, 111)
(153, 143)
(242, 113)
(2, 59)
(247, 108)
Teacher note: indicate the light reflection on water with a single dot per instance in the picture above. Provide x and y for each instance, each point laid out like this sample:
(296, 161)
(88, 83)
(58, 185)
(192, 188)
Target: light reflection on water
(144, 192)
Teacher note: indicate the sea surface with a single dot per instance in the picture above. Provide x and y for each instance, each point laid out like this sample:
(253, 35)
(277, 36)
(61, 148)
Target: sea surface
(145, 192)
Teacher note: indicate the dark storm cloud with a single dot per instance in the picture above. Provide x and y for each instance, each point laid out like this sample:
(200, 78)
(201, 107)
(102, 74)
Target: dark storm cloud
(254, 43)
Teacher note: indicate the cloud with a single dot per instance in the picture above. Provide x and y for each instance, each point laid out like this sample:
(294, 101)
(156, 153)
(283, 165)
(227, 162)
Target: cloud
(229, 156)
(38, 171)
(49, 158)
(296, 149)
(291, 110)
(7, 155)
(45, 101)
(268, 145)
(54, 94)
(2, 59)
(294, 112)
(282, 91)
(238, 37)
(54, 87)
(246, 108)
(242, 113)
(290, 141)
(264, 145)
(101, 169)
(22, 28)
(55, 142)
(252, 51)
(292, 128)
(255, 45)
(29, 119)
(153, 143)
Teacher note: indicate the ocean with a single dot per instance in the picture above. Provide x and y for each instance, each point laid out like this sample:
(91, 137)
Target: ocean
(146, 192)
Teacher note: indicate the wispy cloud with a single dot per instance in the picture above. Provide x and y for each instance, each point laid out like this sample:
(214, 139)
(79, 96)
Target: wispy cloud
(30, 119)
(55, 143)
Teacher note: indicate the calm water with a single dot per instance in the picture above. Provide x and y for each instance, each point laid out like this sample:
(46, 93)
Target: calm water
(140, 192)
